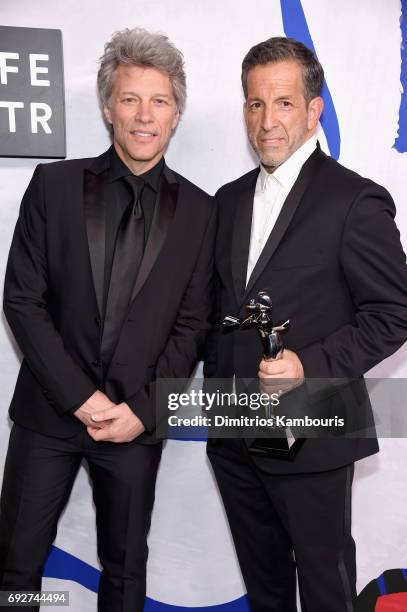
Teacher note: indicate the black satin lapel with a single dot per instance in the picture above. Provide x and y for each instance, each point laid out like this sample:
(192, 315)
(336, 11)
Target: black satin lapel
(163, 214)
(241, 238)
(287, 212)
(95, 219)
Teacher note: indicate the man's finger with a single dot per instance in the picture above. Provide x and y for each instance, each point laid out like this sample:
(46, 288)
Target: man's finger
(272, 364)
(106, 415)
(99, 424)
(273, 368)
(100, 435)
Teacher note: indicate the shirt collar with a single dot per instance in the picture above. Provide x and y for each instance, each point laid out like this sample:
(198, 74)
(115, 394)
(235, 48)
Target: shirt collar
(287, 173)
(118, 170)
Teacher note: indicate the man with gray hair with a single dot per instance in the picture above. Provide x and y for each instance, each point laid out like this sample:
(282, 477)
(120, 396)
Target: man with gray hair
(107, 289)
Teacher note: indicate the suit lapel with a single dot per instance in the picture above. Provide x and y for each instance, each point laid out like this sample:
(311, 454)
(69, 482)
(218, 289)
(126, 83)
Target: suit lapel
(241, 235)
(94, 203)
(284, 219)
(163, 214)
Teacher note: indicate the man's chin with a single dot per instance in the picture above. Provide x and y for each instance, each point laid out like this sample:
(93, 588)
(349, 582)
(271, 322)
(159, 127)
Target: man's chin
(272, 163)
(273, 158)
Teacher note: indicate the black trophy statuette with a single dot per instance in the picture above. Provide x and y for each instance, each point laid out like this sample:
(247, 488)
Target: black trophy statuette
(278, 445)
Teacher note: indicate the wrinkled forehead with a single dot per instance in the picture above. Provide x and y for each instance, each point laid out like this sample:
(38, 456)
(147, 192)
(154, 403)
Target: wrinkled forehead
(277, 77)
(141, 76)
(140, 81)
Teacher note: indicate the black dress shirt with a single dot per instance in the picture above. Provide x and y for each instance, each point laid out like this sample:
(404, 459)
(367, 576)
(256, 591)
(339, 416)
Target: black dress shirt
(118, 200)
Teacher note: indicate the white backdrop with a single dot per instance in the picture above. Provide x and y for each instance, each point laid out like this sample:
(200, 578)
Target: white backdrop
(191, 555)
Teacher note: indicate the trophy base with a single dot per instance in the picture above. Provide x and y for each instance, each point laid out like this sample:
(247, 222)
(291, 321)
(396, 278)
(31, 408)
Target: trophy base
(275, 448)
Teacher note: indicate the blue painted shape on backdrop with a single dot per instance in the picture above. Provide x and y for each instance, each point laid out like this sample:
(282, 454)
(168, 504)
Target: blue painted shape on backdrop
(185, 433)
(400, 144)
(295, 26)
(238, 605)
(382, 585)
(65, 566)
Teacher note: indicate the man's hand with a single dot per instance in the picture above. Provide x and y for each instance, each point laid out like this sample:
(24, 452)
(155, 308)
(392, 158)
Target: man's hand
(97, 402)
(124, 425)
(281, 375)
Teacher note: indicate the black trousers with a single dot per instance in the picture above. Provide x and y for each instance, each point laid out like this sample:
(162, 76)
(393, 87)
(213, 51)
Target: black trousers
(284, 523)
(38, 478)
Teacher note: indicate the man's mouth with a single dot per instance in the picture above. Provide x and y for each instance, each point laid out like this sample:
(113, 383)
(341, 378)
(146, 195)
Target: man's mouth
(272, 141)
(142, 134)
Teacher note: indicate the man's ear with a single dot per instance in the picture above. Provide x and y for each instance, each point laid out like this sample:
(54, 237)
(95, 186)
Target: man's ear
(175, 120)
(315, 108)
(106, 112)
(245, 111)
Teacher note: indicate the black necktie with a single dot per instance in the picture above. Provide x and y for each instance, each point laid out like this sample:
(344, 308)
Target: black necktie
(136, 186)
(126, 263)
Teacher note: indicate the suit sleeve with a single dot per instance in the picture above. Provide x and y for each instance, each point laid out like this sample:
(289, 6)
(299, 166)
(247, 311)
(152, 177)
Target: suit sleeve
(374, 268)
(188, 333)
(210, 349)
(25, 306)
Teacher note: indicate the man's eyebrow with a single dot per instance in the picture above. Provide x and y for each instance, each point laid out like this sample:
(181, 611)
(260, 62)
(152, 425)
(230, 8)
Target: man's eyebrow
(254, 99)
(133, 93)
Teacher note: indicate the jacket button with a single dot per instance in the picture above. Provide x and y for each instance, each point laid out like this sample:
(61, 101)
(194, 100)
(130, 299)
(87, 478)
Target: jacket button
(97, 364)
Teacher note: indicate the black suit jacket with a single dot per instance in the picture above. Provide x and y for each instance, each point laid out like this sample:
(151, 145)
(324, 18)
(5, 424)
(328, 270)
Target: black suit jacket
(54, 292)
(335, 267)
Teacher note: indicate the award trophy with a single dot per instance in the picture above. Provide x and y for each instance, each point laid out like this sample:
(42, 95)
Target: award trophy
(277, 445)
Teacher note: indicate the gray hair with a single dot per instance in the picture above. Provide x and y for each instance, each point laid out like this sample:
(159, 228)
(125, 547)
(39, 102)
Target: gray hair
(142, 48)
(279, 49)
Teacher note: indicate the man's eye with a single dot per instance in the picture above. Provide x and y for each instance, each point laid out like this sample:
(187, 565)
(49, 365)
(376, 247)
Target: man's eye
(255, 106)
(286, 103)
(128, 100)
(160, 101)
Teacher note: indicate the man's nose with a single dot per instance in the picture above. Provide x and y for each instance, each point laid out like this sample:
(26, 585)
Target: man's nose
(269, 118)
(143, 112)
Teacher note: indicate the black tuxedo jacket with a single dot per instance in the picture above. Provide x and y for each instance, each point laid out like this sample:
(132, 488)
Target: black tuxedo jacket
(54, 292)
(335, 267)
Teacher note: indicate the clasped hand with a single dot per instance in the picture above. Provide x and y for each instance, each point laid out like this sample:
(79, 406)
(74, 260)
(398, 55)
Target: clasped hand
(107, 421)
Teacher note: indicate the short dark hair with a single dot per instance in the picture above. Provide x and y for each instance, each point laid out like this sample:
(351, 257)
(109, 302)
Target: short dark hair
(279, 49)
